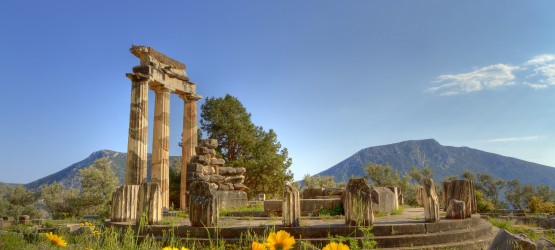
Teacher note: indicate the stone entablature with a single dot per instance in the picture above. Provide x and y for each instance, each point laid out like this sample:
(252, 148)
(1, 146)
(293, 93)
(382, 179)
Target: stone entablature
(164, 76)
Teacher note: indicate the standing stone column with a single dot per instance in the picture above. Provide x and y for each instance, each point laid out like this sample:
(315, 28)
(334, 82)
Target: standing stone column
(203, 205)
(190, 141)
(291, 207)
(358, 203)
(149, 203)
(138, 131)
(161, 144)
(462, 190)
(430, 201)
(124, 203)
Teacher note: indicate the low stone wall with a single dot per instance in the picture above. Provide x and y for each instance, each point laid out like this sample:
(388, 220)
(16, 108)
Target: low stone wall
(231, 199)
(544, 223)
(308, 206)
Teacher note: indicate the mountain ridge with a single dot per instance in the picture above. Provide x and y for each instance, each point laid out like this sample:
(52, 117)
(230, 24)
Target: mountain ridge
(443, 160)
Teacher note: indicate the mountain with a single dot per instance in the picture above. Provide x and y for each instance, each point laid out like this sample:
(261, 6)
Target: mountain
(69, 176)
(443, 160)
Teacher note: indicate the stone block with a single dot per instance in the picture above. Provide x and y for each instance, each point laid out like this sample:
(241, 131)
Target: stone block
(194, 167)
(203, 205)
(383, 200)
(240, 187)
(240, 170)
(314, 206)
(23, 219)
(193, 176)
(217, 162)
(234, 179)
(208, 170)
(462, 190)
(507, 241)
(396, 191)
(227, 171)
(333, 191)
(231, 199)
(430, 201)
(260, 197)
(91, 217)
(358, 203)
(202, 151)
(149, 203)
(456, 210)
(291, 207)
(200, 159)
(124, 203)
(216, 178)
(311, 193)
(544, 243)
(210, 143)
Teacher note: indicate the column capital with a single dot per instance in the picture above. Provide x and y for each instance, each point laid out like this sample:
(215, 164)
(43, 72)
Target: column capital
(190, 97)
(160, 89)
(137, 77)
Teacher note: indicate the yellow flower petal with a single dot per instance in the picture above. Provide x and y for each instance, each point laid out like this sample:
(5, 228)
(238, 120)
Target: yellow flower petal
(257, 246)
(281, 240)
(56, 240)
(335, 246)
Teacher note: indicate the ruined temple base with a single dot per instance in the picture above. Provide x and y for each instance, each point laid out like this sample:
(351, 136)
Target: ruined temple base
(231, 199)
(406, 231)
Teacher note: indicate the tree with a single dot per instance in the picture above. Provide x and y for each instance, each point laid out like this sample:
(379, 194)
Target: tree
(382, 176)
(21, 201)
(242, 144)
(98, 182)
(61, 202)
(491, 187)
(319, 181)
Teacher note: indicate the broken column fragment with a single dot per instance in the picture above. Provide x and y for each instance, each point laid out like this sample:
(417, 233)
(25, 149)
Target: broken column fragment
(291, 206)
(430, 201)
(358, 203)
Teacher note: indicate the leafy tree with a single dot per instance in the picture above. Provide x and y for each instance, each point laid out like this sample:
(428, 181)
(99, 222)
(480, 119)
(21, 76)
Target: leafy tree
(382, 176)
(61, 202)
(469, 175)
(175, 182)
(319, 181)
(98, 182)
(242, 144)
(491, 187)
(545, 193)
(483, 206)
(21, 201)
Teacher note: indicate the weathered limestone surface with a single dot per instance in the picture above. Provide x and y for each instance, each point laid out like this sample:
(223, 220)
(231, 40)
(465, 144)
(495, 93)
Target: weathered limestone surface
(188, 143)
(419, 192)
(203, 205)
(227, 181)
(462, 190)
(149, 203)
(124, 203)
(396, 192)
(138, 132)
(430, 201)
(383, 200)
(312, 193)
(291, 206)
(160, 172)
(358, 203)
(456, 210)
(165, 76)
(507, 241)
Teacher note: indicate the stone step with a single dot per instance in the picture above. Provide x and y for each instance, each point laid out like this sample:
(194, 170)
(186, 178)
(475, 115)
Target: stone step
(471, 237)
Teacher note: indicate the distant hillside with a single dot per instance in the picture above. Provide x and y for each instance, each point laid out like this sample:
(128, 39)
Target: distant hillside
(443, 160)
(69, 176)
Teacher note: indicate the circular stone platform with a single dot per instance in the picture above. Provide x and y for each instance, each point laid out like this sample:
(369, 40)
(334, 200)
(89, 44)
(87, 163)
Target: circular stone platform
(405, 231)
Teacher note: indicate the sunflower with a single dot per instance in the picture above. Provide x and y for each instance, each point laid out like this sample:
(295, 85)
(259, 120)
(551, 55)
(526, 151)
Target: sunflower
(336, 246)
(174, 248)
(56, 240)
(257, 246)
(280, 241)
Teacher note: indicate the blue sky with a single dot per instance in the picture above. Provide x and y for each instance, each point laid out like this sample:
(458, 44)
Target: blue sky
(330, 77)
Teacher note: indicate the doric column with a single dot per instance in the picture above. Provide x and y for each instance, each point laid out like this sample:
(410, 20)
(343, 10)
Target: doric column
(138, 131)
(161, 144)
(188, 144)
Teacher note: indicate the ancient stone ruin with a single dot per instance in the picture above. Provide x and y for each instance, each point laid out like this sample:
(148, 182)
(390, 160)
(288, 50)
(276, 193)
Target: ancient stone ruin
(460, 190)
(164, 76)
(203, 206)
(430, 201)
(291, 206)
(358, 203)
(227, 182)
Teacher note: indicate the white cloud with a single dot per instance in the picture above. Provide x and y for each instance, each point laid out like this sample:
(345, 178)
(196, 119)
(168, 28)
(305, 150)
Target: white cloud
(541, 59)
(537, 73)
(513, 139)
(489, 77)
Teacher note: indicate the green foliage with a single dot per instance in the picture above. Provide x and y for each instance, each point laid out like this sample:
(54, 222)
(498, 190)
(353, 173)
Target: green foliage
(61, 202)
(382, 176)
(483, 206)
(242, 144)
(319, 181)
(97, 183)
(491, 188)
(337, 210)
(18, 201)
(175, 182)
